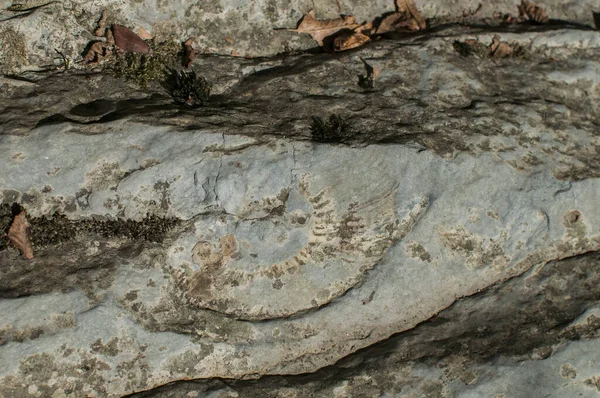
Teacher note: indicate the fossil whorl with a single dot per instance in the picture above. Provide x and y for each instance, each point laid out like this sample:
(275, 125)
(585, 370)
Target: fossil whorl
(244, 268)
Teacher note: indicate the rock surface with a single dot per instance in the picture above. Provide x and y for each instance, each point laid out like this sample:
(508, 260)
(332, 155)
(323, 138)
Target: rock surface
(442, 240)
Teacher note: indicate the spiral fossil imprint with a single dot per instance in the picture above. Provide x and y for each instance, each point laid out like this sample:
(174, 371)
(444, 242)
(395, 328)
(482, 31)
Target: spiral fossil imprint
(333, 249)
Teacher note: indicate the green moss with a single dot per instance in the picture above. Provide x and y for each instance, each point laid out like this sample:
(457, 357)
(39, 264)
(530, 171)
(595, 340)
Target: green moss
(51, 231)
(334, 130)
(6, 217)
(476, 48)
(471, 47)
(145, 68)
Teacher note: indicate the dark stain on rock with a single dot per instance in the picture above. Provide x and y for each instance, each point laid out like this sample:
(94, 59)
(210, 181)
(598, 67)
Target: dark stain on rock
(58, 270)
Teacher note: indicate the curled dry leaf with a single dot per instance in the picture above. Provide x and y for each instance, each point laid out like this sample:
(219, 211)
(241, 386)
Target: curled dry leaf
(190, 52)
(506, 18)
(368, 81)
(144, 34)
(101, 24)
(18, 234)
(395, 22)
(532, 11)
(348, 40)
(500, 49)
(408, 6)
(322, 29)
(98, 51)
(128, 41)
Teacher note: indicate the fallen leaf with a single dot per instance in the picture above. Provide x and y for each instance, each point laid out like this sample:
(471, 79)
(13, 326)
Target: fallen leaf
(96, 53)
(128, 41)
(322, 29)
(18, 234)
(229, 40)
(531, 11)
(396, 21)
(409, 6)
(144, 34)
(110, 39)
(506, 18)
(101, 24)
(500, 49)
(368, 81)
(349, 40)
(190, 52)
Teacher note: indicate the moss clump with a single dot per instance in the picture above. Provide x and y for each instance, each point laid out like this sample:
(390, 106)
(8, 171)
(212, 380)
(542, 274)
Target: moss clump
(334, 130)
(58, 229)
(6, 217)
(145, 68)
(471, 47)
(189, 89)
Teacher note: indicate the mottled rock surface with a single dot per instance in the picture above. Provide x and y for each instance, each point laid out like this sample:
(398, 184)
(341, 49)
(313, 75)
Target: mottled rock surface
(435, 233)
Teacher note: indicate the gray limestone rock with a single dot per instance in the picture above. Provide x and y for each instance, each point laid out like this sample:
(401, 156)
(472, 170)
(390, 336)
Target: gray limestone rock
(432, 233)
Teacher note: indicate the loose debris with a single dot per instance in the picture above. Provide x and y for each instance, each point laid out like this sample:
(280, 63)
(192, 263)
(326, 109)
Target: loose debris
(101, 26)
(144, 34)
(530, 11)
(99, 50)
(18, 234)
(344, 33)
(189, 89)
(348, 40)
(409, 8)
(320, 30)
(190, 52)
(500, 49)
(496, 49)
(368, 81)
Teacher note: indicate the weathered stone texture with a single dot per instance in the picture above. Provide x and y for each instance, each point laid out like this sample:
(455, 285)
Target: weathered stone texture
(443, 241)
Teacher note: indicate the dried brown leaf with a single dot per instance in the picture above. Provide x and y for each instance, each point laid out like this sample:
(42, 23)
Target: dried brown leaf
(18, 234)
(408, 6)
(506, 18)
(128, 41)
(388, 23)
(532, 11)
(96, 53)
(144, 34)
(368, 81)
(190, 52)
(101, 24)
(500, 49)
(365, 29)
(322, 29)
(349, 40)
